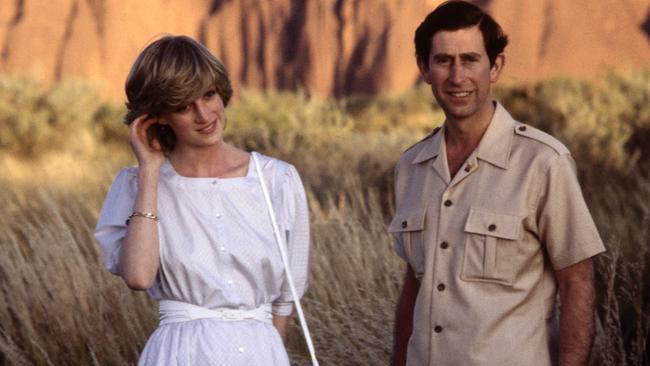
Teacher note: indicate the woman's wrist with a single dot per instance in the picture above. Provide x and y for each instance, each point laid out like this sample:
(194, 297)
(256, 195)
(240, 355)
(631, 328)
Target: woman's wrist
(148, 171)
(147, 189)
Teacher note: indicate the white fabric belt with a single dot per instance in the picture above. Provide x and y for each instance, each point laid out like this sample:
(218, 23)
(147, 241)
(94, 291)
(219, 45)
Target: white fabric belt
(176, 311)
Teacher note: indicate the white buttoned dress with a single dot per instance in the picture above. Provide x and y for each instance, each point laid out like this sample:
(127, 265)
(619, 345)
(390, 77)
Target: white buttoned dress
(217, 251)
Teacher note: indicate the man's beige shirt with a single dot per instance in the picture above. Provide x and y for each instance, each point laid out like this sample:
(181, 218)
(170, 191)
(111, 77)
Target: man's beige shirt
(485, 244)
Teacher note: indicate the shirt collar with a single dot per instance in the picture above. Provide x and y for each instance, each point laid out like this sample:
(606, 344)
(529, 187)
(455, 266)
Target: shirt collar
(493, 148)
(432, 148)
(497, 140)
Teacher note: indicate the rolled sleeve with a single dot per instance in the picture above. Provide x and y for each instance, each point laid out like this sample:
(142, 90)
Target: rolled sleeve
(111, 226)
(565, 224)
(398, 246)
(291, 204)
(393, 229)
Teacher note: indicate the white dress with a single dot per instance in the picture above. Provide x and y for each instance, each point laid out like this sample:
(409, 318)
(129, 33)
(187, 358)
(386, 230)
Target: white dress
(217, 250)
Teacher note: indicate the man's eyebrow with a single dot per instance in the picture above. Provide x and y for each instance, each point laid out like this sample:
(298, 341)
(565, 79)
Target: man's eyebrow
(474, 55)
(441, 55)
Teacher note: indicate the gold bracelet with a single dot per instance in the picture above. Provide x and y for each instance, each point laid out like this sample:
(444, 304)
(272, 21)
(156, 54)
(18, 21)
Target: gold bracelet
(146, 215)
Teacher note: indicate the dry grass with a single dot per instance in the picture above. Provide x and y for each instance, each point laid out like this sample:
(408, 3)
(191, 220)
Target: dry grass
(58, 306)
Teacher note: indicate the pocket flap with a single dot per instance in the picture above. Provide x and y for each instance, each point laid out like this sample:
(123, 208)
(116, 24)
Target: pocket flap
(409, 219)
(484, 222)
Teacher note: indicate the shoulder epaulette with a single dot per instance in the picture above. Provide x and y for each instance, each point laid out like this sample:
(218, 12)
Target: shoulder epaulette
(541, 136)
(435, 130)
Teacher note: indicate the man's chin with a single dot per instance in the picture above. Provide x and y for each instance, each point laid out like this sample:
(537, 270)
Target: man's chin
(459, 113)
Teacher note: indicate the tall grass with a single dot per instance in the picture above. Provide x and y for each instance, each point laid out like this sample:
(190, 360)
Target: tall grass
(59, 150)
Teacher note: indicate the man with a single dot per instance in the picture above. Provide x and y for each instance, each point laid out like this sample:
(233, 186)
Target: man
(489, 217)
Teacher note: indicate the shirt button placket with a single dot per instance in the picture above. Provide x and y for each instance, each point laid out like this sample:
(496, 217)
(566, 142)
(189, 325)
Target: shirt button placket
(440, 299)
(218, 213)
(217, 210)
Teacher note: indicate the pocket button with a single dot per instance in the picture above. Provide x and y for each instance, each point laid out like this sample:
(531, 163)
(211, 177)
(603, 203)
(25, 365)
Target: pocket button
(492, 227)
(404, 224)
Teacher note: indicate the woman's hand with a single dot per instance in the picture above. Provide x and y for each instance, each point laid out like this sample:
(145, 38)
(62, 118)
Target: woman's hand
(281, 323)
(148, 152)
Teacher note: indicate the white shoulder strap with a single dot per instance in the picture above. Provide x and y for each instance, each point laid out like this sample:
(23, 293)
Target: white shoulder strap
(285, 260)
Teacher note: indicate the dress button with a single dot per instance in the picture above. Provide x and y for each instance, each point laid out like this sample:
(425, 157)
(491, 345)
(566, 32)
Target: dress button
(223, 249)
(437, 329)
(448, 203)
(404, 224)
(242, 349)
(441, 287)
(230, 282)
(492, 227)
(218, 216)
(214, 182)
(444, 245)
(522, 128)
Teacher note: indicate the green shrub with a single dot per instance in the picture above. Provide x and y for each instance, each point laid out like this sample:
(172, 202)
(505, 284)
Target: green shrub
(68, 116)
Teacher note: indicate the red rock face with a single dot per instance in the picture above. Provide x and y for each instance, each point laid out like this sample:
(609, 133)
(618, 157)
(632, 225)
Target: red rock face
(329, 47)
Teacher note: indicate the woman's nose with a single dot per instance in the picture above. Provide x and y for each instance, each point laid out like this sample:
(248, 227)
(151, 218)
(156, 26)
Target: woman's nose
(202, 112)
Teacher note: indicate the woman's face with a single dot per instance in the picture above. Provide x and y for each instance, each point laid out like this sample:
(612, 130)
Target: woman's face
(200, 123)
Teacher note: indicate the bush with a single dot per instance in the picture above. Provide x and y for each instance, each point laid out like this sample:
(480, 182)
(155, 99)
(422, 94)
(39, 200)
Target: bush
(345, 150)
(68, 116)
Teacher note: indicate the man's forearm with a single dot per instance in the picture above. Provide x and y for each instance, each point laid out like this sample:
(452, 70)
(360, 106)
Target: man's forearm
(577, 298)
(404, 317)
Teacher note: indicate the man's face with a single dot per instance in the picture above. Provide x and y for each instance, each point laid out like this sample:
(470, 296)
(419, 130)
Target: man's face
(459, 72)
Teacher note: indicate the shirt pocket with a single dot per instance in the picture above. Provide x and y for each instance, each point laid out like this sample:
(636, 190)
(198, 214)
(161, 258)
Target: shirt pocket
(490, 247)
(408, 227)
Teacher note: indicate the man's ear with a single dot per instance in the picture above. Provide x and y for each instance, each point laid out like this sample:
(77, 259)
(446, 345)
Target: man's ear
(423, 66)
(497, 67)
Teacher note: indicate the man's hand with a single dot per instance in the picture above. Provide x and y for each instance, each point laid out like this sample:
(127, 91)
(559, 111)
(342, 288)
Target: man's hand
(404, 317)
(577, 296)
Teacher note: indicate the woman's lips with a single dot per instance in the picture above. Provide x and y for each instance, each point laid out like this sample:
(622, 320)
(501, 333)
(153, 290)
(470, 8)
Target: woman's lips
(209, 128)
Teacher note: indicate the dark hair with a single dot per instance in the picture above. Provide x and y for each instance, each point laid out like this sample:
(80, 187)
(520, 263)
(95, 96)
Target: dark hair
(455, 15)
(170, 73)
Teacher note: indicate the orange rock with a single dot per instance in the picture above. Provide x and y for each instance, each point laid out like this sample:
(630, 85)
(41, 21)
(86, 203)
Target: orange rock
(329, 47)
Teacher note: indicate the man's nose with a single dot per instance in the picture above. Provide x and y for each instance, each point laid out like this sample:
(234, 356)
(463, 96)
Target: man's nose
(456, 73)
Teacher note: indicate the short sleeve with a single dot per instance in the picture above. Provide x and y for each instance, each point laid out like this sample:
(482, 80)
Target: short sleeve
(398, 245)
(393, 228)
(565, 225)
(111, 226)
(290, 203)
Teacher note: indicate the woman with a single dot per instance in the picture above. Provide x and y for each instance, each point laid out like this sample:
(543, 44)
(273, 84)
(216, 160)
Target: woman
(190, 225)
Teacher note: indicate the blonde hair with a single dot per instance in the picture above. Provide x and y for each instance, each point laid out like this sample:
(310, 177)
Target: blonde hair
(170, 73)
